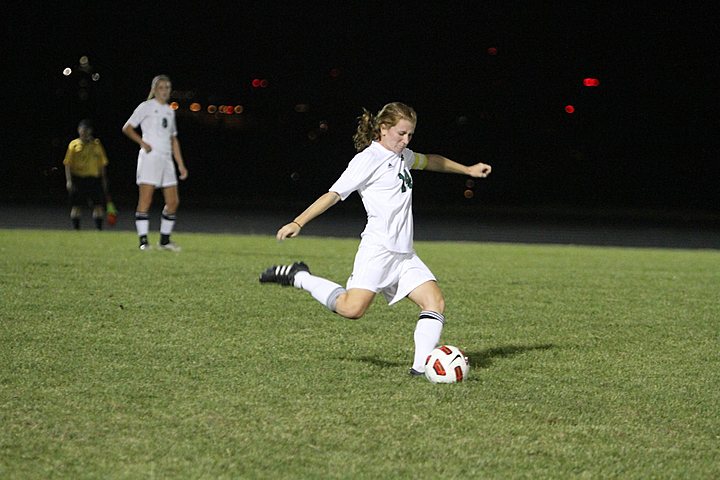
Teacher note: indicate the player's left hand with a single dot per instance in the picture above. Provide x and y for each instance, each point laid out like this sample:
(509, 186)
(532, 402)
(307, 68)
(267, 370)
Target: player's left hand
(183, 173)
(479, 170)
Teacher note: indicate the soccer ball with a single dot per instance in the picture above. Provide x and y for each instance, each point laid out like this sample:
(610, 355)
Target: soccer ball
(446, 364)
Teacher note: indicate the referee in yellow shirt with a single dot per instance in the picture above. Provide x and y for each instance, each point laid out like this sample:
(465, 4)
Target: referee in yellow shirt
(86, 175)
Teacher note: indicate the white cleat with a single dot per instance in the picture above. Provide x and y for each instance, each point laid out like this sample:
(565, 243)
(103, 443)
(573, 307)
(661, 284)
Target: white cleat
(170, 247)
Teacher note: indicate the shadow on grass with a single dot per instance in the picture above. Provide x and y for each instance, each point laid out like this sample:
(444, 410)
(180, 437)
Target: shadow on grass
(378, 362)
(479, 359)
(484, 358)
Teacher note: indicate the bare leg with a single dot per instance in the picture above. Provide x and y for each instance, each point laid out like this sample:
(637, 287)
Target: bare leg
(145, 197)
(172, 199)
(354, 303)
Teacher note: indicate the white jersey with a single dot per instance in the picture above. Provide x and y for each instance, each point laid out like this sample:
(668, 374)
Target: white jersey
(157, 121)
(383, 181)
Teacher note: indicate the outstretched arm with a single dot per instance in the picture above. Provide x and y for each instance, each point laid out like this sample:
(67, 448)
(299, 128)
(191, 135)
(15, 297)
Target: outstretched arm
(318, 207)
(438, 163)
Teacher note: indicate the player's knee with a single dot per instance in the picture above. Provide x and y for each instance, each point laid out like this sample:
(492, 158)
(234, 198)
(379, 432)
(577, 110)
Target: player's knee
(350, 309)
(351, 312)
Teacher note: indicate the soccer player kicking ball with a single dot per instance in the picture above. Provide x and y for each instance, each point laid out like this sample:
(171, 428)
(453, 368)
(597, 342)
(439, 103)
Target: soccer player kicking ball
(385, 261)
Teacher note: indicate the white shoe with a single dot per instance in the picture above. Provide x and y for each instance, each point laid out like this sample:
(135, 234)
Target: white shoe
(145, 247)
(170, 247)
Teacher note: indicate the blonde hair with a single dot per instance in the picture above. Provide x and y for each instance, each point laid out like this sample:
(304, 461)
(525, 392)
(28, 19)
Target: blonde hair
(155, 81)
(369, 125)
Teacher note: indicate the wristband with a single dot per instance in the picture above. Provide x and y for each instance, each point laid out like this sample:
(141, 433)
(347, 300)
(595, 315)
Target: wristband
(296, 223)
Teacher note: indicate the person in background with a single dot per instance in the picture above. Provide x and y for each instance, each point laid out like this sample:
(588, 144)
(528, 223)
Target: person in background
(159, 145)
(86, 175)
(386, 261)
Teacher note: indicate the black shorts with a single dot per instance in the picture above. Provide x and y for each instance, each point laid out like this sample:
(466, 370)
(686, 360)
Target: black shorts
(87, 190)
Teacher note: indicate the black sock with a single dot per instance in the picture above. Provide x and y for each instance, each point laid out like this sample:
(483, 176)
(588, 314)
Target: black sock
(98, 223)
(143, 240)
(164, 239)
(76, 223)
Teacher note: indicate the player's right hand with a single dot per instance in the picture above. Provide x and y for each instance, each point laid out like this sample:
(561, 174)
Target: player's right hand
(289, 230)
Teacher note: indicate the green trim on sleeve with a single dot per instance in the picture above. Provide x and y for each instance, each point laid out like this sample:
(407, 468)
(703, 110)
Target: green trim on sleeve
(420, 161)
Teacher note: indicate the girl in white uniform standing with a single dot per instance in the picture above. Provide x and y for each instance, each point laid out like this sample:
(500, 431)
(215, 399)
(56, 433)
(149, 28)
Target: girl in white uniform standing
(385, 261)
(158, 146)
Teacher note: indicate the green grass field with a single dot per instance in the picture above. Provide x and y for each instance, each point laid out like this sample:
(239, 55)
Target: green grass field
(585, 363)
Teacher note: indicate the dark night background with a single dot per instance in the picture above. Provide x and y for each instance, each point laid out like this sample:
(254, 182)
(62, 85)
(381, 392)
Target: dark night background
(644, 140)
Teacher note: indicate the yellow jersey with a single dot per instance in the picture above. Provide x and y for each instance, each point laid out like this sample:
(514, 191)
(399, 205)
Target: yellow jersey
(85, 159)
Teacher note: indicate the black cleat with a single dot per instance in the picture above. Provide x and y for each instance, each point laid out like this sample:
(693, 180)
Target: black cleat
(283, 274)
(415, 373)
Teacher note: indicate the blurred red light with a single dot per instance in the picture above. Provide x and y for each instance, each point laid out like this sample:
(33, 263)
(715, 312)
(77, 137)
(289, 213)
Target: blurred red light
(256, 83)
(569, 109)
(591, 82)
(492, 51)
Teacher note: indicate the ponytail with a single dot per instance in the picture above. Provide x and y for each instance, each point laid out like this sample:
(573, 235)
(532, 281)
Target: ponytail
(366, 131)
(369, 125)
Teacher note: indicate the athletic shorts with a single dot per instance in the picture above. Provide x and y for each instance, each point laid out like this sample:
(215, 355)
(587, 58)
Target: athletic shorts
(87, 190)
(393, 274)
(156, 168)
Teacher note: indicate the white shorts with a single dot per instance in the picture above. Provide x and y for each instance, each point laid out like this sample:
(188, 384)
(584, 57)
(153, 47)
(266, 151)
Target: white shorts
(393, 274)
(156, 169)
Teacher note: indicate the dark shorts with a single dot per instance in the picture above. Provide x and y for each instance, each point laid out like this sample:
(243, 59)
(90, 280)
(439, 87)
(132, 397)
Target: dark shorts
(87, 190)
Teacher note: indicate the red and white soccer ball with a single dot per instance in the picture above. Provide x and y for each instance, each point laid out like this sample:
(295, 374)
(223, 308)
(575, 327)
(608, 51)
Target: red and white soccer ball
(446, 364)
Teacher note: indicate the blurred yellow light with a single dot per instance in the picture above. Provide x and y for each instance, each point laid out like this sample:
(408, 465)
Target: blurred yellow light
(468, 194)
(67, 71)
(239, 109)
(212, 109)
(195, 107)
(174, 105)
